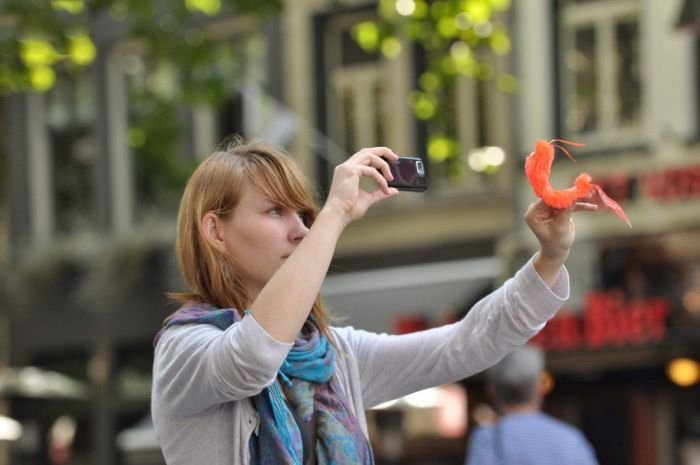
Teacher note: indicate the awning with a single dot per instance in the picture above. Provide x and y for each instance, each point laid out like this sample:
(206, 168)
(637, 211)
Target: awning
(372, 299)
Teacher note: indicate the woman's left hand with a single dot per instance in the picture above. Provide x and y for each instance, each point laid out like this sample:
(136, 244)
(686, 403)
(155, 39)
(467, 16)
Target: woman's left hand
(555, 231)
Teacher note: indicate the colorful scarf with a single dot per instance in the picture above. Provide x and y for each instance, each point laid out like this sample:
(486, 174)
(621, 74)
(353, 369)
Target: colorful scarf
(307, 378)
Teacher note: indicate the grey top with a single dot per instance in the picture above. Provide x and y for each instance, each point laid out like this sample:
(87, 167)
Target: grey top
(203, 377)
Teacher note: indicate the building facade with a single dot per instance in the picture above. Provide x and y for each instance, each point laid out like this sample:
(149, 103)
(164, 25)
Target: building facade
(623, 80)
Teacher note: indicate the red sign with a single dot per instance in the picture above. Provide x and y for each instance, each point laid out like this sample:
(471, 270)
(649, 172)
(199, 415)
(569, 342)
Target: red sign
(405, 323)
(409, 323)
(669, 184)
(607, 319)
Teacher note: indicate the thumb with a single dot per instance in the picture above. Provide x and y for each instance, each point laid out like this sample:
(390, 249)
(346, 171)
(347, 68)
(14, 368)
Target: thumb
(380, 194)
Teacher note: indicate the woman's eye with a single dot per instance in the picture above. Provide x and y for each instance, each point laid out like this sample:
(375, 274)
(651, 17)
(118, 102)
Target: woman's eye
(304, 215)
(276, 210)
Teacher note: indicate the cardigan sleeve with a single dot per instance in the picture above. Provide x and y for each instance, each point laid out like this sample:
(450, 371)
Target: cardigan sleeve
(198, 366)
(391, 366)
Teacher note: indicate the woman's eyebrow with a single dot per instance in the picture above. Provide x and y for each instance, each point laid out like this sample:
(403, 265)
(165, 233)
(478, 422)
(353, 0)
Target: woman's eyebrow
(267, 201)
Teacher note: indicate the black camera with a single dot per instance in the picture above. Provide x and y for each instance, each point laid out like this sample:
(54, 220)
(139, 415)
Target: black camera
(409, 174)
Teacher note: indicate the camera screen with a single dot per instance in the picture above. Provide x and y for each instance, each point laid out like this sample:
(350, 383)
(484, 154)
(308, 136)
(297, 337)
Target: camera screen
(409, 174)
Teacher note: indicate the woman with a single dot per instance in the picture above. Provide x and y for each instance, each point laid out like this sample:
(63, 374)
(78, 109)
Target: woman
(249, 370)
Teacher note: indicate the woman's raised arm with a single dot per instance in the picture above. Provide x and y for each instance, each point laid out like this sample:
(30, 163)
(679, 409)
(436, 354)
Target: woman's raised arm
(285, 301)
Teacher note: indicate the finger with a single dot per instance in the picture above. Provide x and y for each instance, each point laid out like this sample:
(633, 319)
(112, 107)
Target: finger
(384, 152)
(369, 171)
(381, 152)
(564, 214)
(535, 208)
(379, 195)
(382, 164)
(378, 157)
(540, 208)
(550, 215)
(585, 206)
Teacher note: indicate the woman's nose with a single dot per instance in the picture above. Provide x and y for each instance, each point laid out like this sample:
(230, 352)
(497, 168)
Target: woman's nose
(299, 229)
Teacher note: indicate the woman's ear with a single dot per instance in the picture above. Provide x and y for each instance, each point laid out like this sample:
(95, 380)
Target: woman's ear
(211, 230)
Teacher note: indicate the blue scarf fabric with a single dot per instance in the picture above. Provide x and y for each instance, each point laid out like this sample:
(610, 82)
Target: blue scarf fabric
(306, 376)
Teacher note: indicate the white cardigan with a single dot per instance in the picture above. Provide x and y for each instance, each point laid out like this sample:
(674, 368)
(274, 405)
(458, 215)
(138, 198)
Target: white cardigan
(204, 378)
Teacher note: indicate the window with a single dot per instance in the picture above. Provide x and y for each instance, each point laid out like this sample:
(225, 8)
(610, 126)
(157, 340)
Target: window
(363, 97)
(360, 94)
(366, 102)
(230, 117)
(356, 87)
(154, 134)
(601, 83)
(178, 114)
(70, 107)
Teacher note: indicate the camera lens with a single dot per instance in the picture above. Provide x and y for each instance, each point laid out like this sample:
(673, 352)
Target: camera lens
(419, 168)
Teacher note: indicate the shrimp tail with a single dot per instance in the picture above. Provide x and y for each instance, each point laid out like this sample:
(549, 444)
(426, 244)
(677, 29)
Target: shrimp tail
(610, 204)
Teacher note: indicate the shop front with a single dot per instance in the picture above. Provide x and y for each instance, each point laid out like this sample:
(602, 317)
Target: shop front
(626, 362)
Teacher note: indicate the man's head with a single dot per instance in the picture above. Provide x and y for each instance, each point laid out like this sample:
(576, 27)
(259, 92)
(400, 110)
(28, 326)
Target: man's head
(517, 379)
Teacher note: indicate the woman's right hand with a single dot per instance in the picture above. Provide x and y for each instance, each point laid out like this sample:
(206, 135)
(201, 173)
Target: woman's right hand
(346, 198)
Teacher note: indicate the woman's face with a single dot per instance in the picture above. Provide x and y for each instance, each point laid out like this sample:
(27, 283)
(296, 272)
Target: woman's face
(259, 235)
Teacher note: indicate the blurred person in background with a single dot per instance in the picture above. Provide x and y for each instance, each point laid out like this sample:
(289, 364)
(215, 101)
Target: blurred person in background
(523, 434)
(249, 370)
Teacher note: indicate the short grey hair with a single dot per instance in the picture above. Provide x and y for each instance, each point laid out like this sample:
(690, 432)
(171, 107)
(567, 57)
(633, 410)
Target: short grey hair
(515, 378)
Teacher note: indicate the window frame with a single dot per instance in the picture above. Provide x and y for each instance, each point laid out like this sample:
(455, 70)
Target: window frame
(477, 122)
(603, 16)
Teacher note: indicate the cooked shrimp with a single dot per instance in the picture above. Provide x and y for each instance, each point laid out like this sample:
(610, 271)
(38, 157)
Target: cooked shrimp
(538, 166)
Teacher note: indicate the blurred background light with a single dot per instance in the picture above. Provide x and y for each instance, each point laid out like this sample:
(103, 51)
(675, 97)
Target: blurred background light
(386, 405)
(10, 430)
(81, 49)
(208, 7)
(71, 6)
(427, 398)
(683, 372)
(424, 105)
(37, 52)
(42, 77)
(478, 11)
(405, 7)
(39, 383)
(441, 409)
(483, 29)
(484, 159)
(391, 47)
(463, 21)
(62, 431)
(440, 148)
(366, 34)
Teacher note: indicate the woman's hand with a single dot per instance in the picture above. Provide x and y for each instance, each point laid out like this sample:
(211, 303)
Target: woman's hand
(555, 231)
(346, 198)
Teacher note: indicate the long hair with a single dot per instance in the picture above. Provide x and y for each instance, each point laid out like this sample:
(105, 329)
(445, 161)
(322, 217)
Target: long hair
(216, 186)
